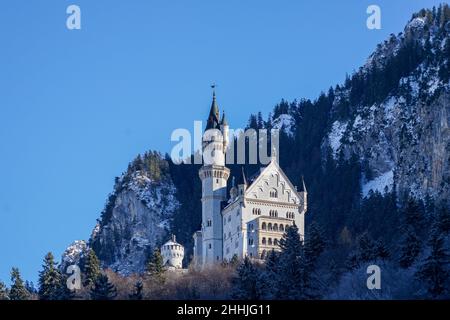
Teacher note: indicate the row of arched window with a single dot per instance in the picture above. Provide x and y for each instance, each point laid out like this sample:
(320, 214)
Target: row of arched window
(273, 213)
(274, 227)
(290, 215)
(273, 193)
(256, 211)
(269, 241)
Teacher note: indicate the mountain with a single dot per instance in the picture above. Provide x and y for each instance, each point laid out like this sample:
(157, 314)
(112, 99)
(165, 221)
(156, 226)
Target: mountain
(365, 148)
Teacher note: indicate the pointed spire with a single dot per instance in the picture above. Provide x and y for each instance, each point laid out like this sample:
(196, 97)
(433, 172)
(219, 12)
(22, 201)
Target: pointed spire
(213, 118)
(224, 121)
(244, 179)
(303, 185)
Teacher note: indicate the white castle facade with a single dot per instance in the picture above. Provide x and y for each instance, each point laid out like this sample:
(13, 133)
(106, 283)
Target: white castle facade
(251, 220)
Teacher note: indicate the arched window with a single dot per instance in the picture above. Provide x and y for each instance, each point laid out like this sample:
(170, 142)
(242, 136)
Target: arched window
(275, 227)
(286, 227)
(264, 241)
(269, 242)
(275, 242)
(269, 227)
(273, 193)
(209, 223)
(263, 226)
(281, 228)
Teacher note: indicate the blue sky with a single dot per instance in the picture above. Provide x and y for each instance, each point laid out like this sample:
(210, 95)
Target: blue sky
(76, 106)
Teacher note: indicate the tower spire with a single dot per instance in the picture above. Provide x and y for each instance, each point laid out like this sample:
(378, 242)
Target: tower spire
(213, 118)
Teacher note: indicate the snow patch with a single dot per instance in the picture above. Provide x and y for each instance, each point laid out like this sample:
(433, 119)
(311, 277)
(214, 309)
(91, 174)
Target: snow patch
(284, 122)
(335, 136)
(379, 183)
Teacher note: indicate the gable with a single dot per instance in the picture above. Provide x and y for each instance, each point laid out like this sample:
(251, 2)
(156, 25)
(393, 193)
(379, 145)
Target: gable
(273, 185)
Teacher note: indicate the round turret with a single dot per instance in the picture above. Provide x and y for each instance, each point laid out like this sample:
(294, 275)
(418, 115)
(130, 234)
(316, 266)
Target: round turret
(173, 254)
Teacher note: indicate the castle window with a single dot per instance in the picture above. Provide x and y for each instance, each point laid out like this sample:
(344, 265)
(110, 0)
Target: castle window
(263, 241)
(209, 223)
(236, 244)
(229, 218)
(263, 226)
(273, 213)
(228, 250)
(250, 241)
(275, 227)
(275, 242)
(273, 193)
(209, 246)
(281, 228)
(269, 226)
(269, 242)
(237, 228)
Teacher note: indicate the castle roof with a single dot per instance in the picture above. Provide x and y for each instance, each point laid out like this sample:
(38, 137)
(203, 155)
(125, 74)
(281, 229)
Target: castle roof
(213, 118)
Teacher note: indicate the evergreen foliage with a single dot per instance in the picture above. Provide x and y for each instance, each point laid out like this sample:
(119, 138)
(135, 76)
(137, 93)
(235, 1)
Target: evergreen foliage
(103, 289)
(17, 290)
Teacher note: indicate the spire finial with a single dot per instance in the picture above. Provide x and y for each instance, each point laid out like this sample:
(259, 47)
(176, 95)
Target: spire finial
(213, 87)
(303, 183)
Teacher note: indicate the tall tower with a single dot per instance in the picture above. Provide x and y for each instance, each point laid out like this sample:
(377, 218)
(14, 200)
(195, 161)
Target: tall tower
(214, 176)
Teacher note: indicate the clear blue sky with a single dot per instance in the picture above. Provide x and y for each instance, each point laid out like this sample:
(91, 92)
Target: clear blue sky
(77, 106)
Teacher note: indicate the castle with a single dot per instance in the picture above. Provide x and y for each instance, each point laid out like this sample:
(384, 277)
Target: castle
(251, 220)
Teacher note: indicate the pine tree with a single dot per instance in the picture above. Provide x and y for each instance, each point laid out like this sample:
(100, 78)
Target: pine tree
(295, 280)
(443, 219)
(103, 289)
(381, 251)
(64, 293)
(234, 260)
(91, 268)
(245, 283)
(18, 290)
(269, 276)
(434, 270)
(155, 266)
(137, 294)
(409, 248)
(4, 294)
(314, 243)
(49, 279)
(367, 248)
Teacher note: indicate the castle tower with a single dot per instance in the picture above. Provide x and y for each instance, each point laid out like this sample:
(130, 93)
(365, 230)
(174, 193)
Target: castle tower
(214, 176)
(173, 254)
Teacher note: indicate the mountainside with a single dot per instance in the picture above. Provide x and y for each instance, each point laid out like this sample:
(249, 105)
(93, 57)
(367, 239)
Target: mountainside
(364, 148)
(401, 133)
(137, 215)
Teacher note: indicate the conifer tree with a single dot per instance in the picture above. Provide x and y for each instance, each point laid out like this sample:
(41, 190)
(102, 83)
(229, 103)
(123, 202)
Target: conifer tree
(4, 293)
(314, 243)
(103, 289)
(155, 266)
(295, 280)
(409, 248)
(434, 270)
(443, 219)
(18, 290)
(49, 279)
(91, 268)
(269, 276)
(381, 251)
(137, 294)
(245, 283)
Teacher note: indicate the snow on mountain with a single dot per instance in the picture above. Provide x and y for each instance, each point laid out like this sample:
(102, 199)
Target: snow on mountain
(405, 138)
(284, 122)
(73, 254)
(381, 184)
